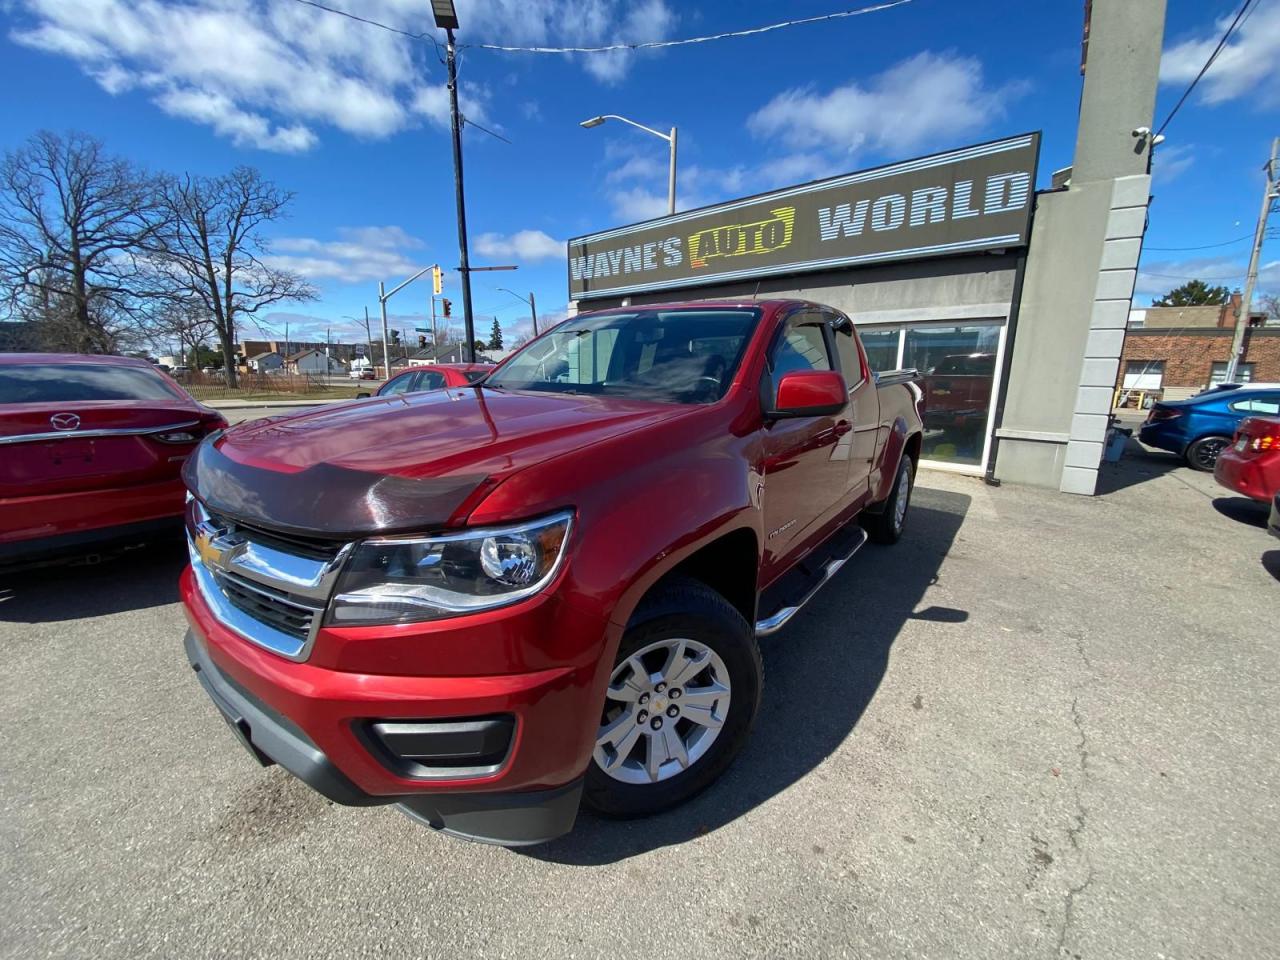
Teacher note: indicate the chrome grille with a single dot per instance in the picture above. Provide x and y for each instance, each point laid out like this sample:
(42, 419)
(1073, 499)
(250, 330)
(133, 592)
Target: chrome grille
(270, 589)
(272, 607)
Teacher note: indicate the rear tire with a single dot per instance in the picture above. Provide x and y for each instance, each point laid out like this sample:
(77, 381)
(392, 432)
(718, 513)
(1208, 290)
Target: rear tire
(887, 525)
(687, 634)
(1203, 454)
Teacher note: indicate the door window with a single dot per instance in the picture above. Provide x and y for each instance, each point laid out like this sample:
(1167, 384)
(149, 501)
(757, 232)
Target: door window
(399, 385)
(847, 350)
(803, 345)
(430, 380)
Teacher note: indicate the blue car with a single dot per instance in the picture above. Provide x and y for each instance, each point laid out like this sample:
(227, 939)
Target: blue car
(1199, 428)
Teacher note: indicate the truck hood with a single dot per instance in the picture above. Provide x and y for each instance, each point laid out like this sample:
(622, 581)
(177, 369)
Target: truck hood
(402, 464)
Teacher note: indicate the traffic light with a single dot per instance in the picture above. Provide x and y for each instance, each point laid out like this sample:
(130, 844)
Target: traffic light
(395, 338)
(448, 308)
(437, 280)
(422, 342)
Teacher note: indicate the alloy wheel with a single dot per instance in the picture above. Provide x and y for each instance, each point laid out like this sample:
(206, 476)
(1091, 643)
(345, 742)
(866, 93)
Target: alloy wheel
(665, 706)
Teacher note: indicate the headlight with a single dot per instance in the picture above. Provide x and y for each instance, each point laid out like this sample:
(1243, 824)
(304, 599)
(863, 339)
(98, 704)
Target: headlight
(409, 580)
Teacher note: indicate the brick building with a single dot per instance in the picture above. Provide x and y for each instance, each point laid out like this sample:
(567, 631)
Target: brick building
(1175, 352)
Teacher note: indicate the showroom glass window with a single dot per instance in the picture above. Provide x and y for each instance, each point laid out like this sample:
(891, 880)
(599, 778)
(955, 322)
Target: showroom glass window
(957, 365)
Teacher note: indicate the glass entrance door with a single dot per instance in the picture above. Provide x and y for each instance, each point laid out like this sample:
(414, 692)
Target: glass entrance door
(959, 366)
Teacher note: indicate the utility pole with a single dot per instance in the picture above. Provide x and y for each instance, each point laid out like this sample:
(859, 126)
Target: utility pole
(435, 342)
(1269, 193)
(533, 310)
(368, 335)
(386, 350)
(464, 265)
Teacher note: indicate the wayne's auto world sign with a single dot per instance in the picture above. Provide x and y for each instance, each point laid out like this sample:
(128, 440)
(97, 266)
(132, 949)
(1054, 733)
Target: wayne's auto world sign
(976, 198)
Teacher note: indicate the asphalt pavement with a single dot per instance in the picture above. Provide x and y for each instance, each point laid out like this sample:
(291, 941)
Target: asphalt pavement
(1040, 726)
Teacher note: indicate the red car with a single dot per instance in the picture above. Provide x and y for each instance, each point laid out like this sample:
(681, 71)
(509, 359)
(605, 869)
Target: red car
(433, 377)
(488, 604)
(91, 453)
(1251, 464)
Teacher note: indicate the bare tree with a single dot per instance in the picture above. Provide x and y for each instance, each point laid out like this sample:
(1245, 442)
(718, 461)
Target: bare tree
(214, 250)
(76, 226)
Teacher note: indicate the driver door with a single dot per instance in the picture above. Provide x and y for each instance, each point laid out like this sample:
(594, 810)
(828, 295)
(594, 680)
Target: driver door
(806, 459)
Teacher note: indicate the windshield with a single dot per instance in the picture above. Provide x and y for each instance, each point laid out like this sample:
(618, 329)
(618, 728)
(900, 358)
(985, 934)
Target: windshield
(67, 382)
(674, 356)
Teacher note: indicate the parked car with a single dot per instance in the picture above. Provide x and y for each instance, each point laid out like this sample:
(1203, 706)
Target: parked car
(487, 604)
(1251, 464)
(362, 373)
(90, 453)
(1199, 429)
(433, 378)
(958, 392)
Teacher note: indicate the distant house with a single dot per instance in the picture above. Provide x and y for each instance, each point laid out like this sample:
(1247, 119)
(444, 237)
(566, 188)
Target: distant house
(454, 353)
(313, 361)
(269, 362)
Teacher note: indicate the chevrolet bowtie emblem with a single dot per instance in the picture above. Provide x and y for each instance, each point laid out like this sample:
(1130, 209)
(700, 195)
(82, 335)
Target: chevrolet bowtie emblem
(213, 546)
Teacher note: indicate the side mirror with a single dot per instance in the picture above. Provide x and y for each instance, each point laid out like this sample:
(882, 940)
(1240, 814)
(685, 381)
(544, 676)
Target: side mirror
(363, 394)
(810, 393)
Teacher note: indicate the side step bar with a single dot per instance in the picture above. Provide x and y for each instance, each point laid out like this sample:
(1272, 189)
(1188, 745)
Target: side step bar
(777, 621)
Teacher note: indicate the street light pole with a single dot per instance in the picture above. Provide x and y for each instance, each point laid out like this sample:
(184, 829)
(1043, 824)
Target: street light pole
(669, 137)
(533, 309)
(1269, 193)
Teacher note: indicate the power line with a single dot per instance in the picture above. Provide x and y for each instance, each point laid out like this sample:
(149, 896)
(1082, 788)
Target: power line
(425, 35)
(1188, 276)
(1207, 246)
(1207, 64)
(647, 45)
(655, 44)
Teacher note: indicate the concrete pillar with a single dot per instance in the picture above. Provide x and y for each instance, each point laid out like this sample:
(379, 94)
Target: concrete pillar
(1082, 263)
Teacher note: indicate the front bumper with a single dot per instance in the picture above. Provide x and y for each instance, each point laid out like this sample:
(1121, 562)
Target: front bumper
(315, 717)
(510, 819)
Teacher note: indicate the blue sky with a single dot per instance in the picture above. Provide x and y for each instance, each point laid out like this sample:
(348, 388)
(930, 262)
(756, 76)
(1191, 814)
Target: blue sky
(354, 120)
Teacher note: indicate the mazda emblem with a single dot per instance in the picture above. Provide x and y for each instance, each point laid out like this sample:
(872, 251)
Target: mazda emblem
(64, 421)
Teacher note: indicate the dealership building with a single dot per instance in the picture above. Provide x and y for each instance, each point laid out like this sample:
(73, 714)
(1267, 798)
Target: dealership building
(1011, 301)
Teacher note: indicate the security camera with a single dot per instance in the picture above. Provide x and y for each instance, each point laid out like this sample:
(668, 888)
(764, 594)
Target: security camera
(1141, 131)
(1157, 140)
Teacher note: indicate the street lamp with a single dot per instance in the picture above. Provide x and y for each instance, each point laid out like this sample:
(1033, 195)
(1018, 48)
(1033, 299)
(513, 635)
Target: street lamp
(670, 138)
(446, 18)
(532, 308)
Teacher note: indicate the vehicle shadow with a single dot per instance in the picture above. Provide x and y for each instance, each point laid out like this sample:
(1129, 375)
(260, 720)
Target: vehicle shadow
(821, 671)
(1243, 510)
(133, 580)
(1271, 563)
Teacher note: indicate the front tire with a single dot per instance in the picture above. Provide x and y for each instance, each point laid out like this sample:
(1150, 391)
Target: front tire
(887, 525)
(1203, 454)
(681, 702)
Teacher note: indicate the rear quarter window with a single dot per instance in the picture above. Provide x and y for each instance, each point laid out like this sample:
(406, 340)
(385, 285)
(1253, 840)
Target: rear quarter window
(1263, 405)
(71, 382)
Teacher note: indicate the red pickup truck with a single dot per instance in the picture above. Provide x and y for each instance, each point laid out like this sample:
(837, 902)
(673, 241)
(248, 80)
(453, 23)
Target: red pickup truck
(489, 603)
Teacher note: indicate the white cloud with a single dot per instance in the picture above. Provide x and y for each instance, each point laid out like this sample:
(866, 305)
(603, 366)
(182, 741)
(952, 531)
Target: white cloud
(1172, 161)
(361, 254)
(1248, 66)
(927, 98)
(525, 245)
(270, 74)
(1158, 277)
